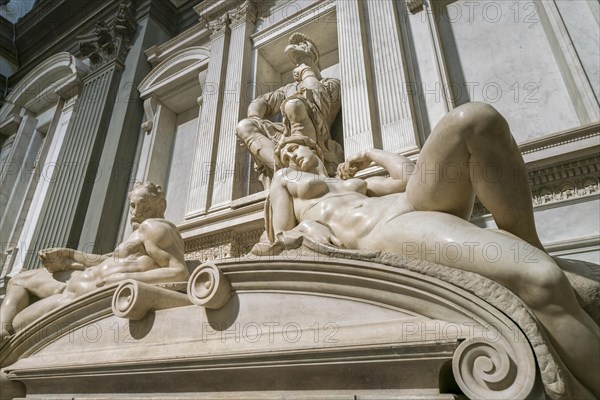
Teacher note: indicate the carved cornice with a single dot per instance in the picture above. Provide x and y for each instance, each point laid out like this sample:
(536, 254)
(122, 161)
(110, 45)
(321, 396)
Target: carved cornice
(570, 181)
(110, 41)
(560, 138)
(285, 27)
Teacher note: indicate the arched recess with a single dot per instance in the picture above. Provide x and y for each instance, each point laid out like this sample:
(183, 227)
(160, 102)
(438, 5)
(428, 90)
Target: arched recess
(172, 95)
(33, 122)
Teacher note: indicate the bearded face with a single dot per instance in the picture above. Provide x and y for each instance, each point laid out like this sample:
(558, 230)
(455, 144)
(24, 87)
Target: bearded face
(143, 205)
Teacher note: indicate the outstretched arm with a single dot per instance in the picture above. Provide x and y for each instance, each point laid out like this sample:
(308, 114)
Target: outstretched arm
(65, 259)
(398, 166)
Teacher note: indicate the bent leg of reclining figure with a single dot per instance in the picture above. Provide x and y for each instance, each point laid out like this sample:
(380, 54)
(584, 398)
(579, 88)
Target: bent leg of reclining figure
(527, 271)
(39, 308)
(38, 282)
(472, 152)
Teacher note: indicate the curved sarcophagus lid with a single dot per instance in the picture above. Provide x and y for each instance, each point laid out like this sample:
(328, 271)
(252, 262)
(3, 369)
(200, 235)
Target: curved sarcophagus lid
(375, 324)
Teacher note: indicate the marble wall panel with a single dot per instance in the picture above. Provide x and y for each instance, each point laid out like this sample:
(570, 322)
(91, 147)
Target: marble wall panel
(182, 155)
(498, 52)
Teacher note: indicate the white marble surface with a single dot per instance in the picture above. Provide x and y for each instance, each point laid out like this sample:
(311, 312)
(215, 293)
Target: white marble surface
(500, 52)
(182, 153)
(581, 20)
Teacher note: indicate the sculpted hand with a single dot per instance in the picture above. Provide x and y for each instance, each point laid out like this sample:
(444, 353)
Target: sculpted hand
(353, 164)
(59, 259)
(267, 249)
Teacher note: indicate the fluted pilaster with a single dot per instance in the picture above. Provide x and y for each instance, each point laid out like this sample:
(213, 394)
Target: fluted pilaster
(203, 167)
(228, 174)
(389, 74)
(68, 194)
(46, 176)
(13, 165)
(359, 118)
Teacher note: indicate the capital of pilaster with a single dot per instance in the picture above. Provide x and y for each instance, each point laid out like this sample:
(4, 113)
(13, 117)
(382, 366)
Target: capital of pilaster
(246, 12)
(218, 26)
(111, 40)
(414, 6)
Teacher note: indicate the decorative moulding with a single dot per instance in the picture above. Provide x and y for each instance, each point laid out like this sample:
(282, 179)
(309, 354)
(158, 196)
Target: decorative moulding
(208, 287)
(173, 70)
(194, 36)
(133, 300)
(559, 138)
(37, 90)
(488, 337)
(293, 23)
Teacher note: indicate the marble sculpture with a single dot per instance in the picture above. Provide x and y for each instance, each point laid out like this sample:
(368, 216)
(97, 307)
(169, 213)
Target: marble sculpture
(308, 106)
(153, 253)
(423, 207)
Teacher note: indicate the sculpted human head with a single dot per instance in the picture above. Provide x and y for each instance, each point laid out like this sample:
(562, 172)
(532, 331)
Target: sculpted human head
(299, 153)
(302, 50)
(146, 200)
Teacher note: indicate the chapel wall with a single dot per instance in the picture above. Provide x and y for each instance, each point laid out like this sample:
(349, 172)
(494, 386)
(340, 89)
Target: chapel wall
(172, 111)
(402, 67)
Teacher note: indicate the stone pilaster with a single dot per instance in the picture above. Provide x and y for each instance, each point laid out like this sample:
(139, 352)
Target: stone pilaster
(203, 167)
(18, 151)
(29, 220)
(228, 174)
(389, 74)
(360, 126)
(12, 168)
(65, 206)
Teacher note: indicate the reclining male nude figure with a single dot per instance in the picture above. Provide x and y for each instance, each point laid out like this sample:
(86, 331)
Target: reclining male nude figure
(153, 253)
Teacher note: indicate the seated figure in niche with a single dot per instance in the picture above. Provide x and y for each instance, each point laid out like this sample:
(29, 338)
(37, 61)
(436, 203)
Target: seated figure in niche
(153, 253)
(308, 106)
(421, 207)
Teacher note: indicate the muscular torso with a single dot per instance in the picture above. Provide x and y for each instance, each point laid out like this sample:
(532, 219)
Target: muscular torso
(343, 205)
(129, 256)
